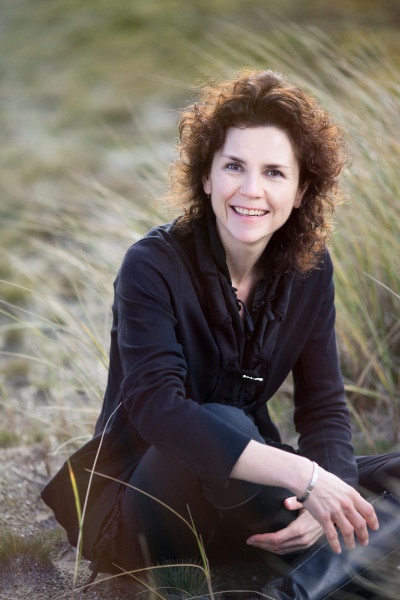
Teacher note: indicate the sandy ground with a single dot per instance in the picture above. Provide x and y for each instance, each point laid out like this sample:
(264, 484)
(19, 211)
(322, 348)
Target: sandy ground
(23, 473)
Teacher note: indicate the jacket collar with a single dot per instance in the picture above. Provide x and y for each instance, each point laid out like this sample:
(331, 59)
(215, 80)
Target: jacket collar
(241, 347)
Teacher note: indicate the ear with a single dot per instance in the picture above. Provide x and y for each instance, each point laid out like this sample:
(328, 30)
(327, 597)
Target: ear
(300, 193)
(206, 185)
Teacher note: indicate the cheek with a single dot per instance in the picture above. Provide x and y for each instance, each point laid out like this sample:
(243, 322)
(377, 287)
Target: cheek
(217, 205)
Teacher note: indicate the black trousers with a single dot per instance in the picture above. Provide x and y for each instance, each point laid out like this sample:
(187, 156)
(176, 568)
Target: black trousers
(158, 524)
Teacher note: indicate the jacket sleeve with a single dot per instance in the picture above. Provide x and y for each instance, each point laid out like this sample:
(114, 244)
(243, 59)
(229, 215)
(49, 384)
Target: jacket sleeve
(321, 414)
(149, 302)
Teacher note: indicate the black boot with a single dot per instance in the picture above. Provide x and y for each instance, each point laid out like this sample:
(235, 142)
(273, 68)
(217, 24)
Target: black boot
(319, 573)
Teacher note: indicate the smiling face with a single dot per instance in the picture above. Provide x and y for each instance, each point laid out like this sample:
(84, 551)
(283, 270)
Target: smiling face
(254, 186)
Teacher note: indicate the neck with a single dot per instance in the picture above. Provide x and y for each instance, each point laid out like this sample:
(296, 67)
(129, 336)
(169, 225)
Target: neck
(241, 263)
(244, 274)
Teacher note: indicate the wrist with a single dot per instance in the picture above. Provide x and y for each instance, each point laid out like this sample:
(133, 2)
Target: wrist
(311, 484)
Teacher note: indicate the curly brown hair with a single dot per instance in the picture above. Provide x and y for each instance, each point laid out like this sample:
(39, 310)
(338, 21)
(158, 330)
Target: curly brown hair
(264, 98)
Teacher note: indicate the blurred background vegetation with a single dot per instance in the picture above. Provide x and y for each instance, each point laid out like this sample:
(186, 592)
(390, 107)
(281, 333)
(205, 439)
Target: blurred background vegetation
(89, 94)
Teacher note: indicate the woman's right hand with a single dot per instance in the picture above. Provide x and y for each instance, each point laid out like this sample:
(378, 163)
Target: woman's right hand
(338, 506)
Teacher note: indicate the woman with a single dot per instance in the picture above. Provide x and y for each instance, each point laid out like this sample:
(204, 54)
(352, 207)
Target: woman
(211, 314)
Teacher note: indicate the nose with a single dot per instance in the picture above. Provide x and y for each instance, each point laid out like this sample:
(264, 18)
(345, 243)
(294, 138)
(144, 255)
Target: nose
(252, 186)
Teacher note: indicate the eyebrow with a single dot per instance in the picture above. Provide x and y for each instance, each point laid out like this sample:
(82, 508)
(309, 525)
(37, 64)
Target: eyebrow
(269, 165)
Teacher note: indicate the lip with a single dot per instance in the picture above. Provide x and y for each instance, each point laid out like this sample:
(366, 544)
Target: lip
(243, 211)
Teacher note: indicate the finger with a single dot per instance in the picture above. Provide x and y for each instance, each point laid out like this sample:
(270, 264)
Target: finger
(274, 540)
(270, 543)
(292, 503)
(332, 537)
(347, 531)
(362, 534)
(299, 535)
(360, 527)
(284, 551)
(366, 509)
(358, 516)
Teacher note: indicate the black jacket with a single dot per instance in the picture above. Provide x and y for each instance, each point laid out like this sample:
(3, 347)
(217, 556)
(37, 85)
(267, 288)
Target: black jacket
(178, 341)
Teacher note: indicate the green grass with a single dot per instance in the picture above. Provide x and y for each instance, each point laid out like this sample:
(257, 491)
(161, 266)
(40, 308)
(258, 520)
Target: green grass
(35, 547)
(183, 580)
(8, 438)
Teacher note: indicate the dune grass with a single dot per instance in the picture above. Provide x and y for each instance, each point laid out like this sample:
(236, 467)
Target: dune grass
(358, 85)
(63, 242)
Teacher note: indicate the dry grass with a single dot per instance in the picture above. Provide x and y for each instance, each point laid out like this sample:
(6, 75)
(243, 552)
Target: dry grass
(79, 202)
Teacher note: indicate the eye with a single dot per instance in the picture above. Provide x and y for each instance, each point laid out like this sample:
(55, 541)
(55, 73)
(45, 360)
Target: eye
(274, 173)
(233, 166)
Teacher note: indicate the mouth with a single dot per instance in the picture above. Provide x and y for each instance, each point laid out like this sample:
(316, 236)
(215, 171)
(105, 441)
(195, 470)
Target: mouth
(249, 212)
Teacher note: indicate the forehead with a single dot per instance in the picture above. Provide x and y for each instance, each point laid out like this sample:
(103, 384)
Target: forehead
(261, 143)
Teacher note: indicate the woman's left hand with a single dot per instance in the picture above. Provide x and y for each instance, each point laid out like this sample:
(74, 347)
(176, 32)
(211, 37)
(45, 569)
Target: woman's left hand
(302, 533)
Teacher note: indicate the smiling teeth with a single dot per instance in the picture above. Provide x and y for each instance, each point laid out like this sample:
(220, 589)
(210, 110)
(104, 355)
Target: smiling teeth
(249, 213)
